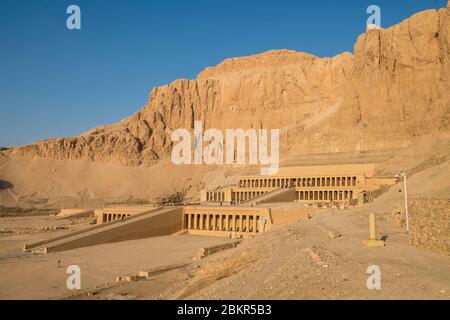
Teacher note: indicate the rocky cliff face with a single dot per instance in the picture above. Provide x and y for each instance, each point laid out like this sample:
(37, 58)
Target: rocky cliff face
(395, 87)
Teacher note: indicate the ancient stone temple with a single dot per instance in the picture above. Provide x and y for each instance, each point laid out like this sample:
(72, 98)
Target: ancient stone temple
(312, 184)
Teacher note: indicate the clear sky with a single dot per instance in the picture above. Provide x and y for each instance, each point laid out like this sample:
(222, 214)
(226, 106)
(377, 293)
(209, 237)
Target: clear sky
(56, 82)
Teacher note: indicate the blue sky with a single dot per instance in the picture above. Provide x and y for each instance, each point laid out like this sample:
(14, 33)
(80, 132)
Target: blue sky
(56, 82)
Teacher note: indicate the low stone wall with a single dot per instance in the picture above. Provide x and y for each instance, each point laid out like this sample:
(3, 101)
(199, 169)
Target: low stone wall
(75, 213)
(33, 245)
(204, 252)
(288, 215)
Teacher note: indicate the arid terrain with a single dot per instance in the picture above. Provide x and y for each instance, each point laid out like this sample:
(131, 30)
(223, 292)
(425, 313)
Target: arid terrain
(388, 103)
(320, 258)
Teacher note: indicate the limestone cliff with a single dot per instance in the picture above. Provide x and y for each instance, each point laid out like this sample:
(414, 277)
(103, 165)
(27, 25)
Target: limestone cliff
(393, 88)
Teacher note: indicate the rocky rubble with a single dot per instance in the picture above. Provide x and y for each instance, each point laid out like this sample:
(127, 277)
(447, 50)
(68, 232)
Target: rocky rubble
(430, 224)
(31, 230)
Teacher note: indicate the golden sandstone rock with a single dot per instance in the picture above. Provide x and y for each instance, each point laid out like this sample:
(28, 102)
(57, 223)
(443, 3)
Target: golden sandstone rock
(394, 88)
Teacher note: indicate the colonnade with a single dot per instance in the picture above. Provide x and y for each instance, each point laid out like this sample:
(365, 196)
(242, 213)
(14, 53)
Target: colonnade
(222, 222)
(215, 196)
(325, 181)
(324, 195)
(241, 196)
(265, 183)
(107, 217)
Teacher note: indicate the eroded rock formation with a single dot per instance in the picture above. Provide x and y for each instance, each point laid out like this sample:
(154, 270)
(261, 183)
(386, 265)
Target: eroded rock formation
(394, 87)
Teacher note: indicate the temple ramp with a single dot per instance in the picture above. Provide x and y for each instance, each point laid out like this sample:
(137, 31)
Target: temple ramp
(75, 213)
(278, 195)
(152, 223)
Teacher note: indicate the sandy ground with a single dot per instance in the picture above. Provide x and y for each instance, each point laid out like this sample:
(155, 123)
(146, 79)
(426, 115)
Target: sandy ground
(38, 277)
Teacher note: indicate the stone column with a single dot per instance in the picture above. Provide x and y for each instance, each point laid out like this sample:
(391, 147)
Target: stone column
(189, 221)
(195, 221)
(202, 221)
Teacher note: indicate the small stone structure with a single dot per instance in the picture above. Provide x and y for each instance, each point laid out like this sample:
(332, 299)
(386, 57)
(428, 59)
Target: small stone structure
(119, 213)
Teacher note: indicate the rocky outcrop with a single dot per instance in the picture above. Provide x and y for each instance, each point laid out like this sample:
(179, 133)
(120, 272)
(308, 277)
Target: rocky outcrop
(393, 88)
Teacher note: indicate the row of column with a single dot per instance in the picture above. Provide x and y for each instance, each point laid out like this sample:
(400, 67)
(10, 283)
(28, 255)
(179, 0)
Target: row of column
(241, 196)
(266, 183)
(299, 182)
(333, 195)
(107, 217)
(222, 222)
(326, 182)
(212, 196)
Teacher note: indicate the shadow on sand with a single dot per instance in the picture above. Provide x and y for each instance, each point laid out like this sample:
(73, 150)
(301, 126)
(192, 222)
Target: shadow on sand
(5, 185)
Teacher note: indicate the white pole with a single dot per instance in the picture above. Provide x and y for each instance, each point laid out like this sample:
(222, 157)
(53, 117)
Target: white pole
(406, 202)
